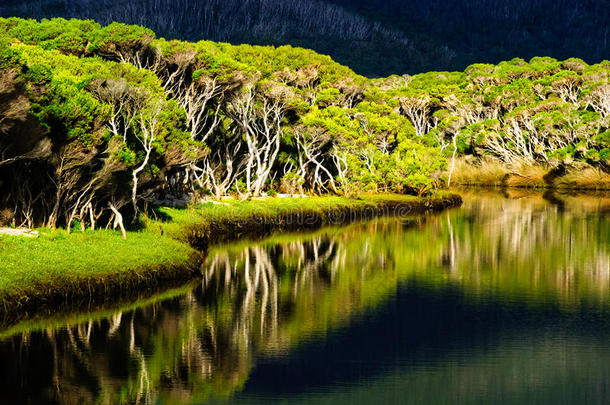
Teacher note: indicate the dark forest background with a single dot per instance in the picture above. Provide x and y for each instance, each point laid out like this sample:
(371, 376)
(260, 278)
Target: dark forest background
(375, 38)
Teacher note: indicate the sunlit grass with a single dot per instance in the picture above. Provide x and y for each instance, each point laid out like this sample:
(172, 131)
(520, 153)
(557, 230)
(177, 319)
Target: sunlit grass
(59, 257)
(488, 173)
(527, 176)
(173, 220)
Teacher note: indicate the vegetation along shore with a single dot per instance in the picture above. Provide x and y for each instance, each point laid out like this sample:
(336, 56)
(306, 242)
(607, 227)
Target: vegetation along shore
(101, 265)
(100, 125)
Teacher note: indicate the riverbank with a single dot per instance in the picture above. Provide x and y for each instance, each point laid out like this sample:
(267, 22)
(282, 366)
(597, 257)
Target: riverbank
(229, 221)
(58, 268)
(492, 173)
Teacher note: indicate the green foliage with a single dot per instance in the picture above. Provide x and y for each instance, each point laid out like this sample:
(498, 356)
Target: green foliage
(9, 58)
(69, 36)
(542, 111)
(119, 36)
(141, 110)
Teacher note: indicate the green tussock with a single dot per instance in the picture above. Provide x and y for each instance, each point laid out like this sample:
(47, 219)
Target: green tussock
(235, 210)
(58, 253)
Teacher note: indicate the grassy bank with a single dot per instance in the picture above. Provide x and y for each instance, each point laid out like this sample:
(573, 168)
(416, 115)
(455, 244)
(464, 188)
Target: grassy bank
(233, 220)
(58, 268)
(496, 174)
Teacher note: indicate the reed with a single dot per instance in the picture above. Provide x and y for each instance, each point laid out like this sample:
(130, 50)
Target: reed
(587, 179)
(486, 173)
(493, 173)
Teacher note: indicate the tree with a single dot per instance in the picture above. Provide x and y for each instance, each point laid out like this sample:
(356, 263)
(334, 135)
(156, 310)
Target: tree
(568, 86)
(312, 149)
(600, 99)
(222, 168)
(259, 117)
(417, 109)
(148, 118)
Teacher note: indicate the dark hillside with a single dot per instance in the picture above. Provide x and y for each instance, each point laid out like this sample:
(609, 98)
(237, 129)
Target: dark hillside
(350, 38)
(375, 38)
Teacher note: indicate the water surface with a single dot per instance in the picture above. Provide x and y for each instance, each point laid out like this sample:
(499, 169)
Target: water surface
(505, 300)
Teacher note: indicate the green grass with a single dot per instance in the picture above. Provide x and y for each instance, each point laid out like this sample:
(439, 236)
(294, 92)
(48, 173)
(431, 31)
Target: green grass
(236, 210)
(59, 254)
(57, 265)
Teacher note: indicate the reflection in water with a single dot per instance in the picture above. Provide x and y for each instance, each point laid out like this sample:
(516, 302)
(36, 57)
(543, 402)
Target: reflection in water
(503, 300)
(528, 246)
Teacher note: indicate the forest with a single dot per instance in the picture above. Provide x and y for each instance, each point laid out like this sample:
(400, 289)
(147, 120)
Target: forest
(97, 123)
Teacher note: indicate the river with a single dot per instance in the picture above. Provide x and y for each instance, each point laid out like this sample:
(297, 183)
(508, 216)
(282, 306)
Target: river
(505, 300)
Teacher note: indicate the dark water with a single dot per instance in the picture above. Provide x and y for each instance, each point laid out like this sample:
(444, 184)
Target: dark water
(505, 300)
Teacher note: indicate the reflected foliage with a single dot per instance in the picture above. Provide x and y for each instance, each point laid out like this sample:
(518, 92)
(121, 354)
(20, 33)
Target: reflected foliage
(550, 254)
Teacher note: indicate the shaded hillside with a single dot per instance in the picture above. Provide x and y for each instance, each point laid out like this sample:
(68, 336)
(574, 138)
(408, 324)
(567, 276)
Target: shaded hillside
(326, 28)
(375, 38)
(496, 30)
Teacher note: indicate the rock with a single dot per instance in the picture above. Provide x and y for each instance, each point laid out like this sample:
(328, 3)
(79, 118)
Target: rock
(28, 233)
